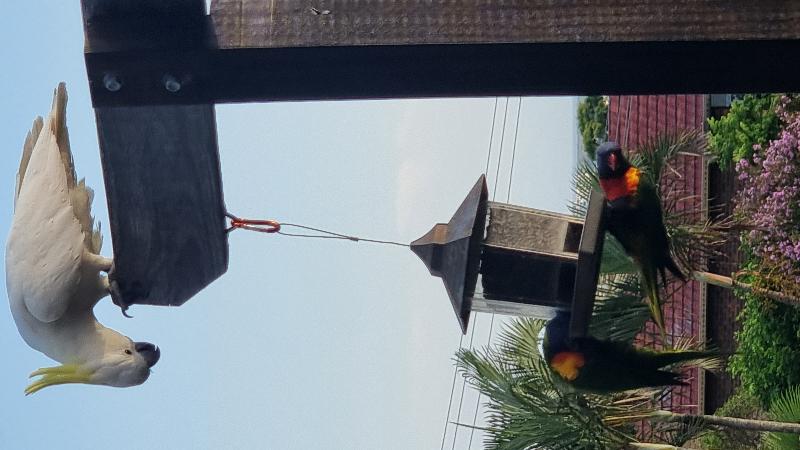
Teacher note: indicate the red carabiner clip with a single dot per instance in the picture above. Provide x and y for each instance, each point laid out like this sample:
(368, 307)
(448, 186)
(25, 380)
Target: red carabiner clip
(262, 226)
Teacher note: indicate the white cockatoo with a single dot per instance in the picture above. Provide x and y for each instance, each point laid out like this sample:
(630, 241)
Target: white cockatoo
(53, 268)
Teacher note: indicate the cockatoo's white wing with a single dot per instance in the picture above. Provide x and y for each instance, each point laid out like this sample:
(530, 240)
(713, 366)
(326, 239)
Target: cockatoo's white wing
(45, 250)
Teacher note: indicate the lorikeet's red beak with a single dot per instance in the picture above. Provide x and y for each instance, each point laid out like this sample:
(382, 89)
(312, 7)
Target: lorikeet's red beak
(612, 161)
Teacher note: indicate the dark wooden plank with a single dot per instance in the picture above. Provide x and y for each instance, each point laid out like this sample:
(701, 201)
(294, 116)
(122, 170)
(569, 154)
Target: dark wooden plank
(163, 183)
(405, 71)
(590, 252)
(102, 9)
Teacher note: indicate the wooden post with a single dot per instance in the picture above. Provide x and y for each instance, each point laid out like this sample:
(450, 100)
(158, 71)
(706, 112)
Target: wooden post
(161, 168)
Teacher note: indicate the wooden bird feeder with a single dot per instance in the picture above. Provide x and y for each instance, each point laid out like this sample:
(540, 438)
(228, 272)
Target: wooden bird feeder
(156, 68)
(507, 259)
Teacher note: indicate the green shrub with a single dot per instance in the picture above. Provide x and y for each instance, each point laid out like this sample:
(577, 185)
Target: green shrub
(751, 120)
(741, 404)
(767, 360)
(592, 114)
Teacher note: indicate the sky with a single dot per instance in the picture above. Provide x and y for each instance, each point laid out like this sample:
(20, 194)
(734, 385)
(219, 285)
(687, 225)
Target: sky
(303, 343)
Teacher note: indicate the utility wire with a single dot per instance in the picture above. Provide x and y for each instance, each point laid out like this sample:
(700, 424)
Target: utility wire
(450, 402)
(478, 401)
(500, 156)
(461, 339)
(463, 388)
(514, 151)
(491, 137)
(508, 199)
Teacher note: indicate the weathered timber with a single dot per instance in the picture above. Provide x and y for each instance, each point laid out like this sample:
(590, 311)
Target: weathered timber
(590, 251)
(289, 23)
(160, 162)
(163, 185)
(265, 50)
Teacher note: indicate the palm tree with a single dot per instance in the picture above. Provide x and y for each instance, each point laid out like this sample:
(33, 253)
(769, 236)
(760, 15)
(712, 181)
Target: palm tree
(528, 408)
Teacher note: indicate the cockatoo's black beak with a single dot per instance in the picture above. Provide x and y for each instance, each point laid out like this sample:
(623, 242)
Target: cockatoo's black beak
(149, 352)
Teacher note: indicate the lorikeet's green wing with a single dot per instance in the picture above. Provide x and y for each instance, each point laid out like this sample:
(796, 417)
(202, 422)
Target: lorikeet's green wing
(617, 366)
(638, 224)
(600, 366)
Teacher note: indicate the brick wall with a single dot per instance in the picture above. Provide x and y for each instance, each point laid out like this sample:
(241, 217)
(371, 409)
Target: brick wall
(633, 121)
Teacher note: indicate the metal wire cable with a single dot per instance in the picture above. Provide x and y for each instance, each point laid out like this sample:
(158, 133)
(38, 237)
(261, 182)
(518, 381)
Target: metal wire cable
(332, 235)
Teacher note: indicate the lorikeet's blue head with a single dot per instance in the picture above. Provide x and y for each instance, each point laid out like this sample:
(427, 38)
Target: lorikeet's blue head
(557, 334)
(611, 163)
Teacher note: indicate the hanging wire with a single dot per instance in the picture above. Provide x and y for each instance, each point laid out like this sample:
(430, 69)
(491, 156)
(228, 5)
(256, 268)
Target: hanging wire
(332, 235)
(273, 226)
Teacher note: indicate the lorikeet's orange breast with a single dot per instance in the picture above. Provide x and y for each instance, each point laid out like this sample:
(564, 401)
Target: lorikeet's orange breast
(623, 186)
(567, 364)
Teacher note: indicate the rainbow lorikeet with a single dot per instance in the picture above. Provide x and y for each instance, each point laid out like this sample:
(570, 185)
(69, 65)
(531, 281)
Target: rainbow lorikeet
(634, 218)
(597, 366)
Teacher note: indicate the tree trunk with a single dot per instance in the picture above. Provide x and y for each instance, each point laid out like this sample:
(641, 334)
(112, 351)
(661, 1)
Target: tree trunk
(649, 446)
(730, 422)
(730, 283)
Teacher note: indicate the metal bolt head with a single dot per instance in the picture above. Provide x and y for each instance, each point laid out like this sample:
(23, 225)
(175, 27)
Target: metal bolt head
(111, 82)
(171, 83)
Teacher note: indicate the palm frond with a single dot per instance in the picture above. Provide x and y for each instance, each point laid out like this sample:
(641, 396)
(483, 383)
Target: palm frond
(785, 408)
(525, 407)
(584, 181)
(614, 260)
(619, 313)
(656, 155)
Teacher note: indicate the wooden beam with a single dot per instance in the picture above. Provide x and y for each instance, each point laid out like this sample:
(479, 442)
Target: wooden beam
(160, 162)
(162, 179)
(265, 50)
(288, 23)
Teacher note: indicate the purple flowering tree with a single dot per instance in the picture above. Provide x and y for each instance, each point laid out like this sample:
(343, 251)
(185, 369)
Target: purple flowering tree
(770, 200)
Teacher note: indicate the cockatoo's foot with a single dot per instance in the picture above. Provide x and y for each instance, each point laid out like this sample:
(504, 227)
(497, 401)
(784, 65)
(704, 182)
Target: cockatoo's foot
(116, 295)
(51, 376)
(101, 263)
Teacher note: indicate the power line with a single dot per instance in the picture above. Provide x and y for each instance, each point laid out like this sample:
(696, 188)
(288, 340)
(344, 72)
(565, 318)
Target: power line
(475, 322)
(450, 402)
(513, 151)
(491, 137)
(463, 388)
(500, 156)
(508, 199)
(478, 401)
(461, 339)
